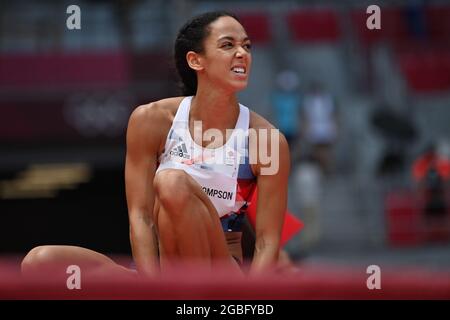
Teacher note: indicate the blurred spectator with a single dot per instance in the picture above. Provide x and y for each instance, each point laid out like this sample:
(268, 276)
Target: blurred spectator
(398, 132)
(416, 19)
(436, 159)
(432, 173)
(307, 180)
(286, 104)
(319, 115)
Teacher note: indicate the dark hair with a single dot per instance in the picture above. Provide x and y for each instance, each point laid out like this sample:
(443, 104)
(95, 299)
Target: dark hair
(190, 38)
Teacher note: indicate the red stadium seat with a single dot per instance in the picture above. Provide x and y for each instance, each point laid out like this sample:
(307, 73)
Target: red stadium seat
(62, 70)
(314, 25)
(438, 23)
(403, 219)
(257, 25)
(425, 70)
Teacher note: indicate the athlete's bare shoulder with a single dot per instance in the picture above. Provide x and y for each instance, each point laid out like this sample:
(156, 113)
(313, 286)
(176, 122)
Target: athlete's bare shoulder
(161, 110)
(168, 106)
(151, 122)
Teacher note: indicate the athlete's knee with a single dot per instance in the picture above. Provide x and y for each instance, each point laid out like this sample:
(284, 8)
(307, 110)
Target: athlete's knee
(36, 259)
(173, 188)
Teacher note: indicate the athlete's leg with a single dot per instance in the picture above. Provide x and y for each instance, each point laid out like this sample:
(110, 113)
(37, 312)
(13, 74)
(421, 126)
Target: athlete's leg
(188, 225)
(56, 259)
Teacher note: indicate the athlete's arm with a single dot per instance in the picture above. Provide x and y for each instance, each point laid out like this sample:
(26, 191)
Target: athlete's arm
(271, 207)
(140, 167)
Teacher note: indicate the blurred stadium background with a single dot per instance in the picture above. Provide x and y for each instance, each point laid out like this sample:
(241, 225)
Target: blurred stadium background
(65, 98)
